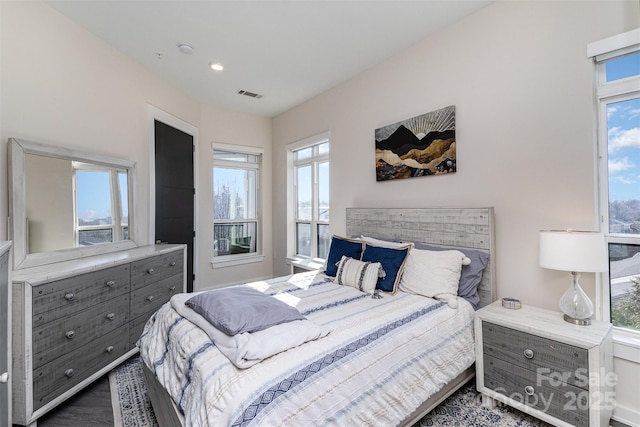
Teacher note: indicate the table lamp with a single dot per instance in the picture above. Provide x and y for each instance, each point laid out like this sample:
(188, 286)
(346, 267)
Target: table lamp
(574, 251)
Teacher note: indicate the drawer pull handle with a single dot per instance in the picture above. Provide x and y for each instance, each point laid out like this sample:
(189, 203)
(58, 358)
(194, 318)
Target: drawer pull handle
(111, 316)
(70, 334)
(529, 390)
(528, 353)
(111, 283)
(150, 271)
(150, 298)
(69, 297)
(173, 264)
(109, 349)
(69, 373)
(173, 288)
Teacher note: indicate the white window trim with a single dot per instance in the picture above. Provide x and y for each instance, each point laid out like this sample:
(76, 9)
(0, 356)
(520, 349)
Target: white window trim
(626, 343)
(241, 259)
(116, 203)
(291, 191)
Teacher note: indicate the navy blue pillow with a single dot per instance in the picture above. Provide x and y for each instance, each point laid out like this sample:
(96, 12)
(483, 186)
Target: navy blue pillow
(392, 260)
(340, 247)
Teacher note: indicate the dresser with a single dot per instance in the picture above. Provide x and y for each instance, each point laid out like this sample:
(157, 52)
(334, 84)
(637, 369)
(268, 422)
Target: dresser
(76, 320)
(533, 360)
(5, 334)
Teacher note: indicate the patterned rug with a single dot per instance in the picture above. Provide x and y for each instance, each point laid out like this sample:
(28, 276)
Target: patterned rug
(132, 408)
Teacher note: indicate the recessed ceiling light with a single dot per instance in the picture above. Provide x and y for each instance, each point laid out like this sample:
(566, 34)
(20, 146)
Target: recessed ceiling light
(185, 48)
(216, 66)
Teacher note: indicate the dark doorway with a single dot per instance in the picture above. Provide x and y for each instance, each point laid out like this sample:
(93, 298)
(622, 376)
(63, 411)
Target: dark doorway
(175, 190)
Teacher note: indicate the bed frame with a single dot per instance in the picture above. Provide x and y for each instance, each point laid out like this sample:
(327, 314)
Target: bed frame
(470, 228)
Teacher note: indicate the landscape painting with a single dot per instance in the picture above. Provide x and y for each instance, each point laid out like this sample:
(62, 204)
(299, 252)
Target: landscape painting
(420, 146)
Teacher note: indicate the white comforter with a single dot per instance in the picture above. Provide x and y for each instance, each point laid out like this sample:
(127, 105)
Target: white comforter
(382, 359)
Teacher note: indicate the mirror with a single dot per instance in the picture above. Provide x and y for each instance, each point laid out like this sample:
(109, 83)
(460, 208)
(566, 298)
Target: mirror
(66, 204)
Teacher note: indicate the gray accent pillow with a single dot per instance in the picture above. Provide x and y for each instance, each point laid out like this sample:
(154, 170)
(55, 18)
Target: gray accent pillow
(241, 309)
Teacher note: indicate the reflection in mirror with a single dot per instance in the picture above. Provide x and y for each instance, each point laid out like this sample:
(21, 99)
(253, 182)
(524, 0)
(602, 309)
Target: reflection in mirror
(67, 204)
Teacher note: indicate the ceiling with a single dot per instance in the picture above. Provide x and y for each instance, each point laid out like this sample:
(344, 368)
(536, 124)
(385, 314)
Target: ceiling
(285, 50)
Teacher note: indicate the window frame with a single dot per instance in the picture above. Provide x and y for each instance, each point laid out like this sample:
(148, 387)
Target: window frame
(626, 341)
(314, 161)
(116, 226)
(228, 260)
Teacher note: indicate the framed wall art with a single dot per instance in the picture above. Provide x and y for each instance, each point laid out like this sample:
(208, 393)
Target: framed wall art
(420, 146)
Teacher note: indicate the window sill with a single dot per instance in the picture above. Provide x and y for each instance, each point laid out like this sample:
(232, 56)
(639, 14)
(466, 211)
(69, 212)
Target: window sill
(231, 262)
(626, 345)
(306, 263)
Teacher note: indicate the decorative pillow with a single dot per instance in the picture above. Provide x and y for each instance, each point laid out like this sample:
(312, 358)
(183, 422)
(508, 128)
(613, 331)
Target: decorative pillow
(471, 274)
(358, 274)
(341, 246)
(392, 260)
(384, 243)
(241, 309)
(434, 274)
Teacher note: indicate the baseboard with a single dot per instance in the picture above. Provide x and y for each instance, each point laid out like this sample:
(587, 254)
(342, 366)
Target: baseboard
(625, 417)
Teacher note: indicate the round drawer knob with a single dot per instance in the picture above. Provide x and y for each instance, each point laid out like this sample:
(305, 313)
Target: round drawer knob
(150, 271)
(529, 390)
(111, 316)
(109, 349)
(69, 297)
(70, 334)
(4, 378)
(150, 298)
(528, 353)
(173, 264)
(69, 373)
(111, 283)
(173, 288)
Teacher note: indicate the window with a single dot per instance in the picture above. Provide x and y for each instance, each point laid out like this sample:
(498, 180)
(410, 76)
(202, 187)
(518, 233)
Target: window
(618, 93)
(310, 197)
(236, 209)
(101, 207)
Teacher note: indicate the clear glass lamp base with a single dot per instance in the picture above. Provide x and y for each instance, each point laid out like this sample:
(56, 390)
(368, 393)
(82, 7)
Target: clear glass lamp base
(575, 304)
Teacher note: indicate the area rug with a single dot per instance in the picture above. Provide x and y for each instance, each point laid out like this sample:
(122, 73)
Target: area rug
(132, 408)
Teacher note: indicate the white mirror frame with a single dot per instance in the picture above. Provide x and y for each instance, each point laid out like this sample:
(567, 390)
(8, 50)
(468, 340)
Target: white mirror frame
(17, 225)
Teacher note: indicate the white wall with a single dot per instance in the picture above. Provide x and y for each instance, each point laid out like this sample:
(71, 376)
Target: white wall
(64, 86)
(519, 77)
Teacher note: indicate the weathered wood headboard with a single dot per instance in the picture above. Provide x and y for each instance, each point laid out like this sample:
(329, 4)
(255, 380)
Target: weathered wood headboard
(451, 227)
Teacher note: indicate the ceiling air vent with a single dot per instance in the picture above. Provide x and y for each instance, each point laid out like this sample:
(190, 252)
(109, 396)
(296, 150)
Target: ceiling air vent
(249, 94)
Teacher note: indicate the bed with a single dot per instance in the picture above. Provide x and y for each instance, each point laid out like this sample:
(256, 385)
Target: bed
(371, 357)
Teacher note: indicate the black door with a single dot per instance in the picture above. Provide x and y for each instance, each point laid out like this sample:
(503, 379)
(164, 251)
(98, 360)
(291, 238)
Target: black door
(175, 191)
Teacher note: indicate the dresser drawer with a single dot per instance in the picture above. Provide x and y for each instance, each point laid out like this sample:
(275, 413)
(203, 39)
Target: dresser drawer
(551, 358)
(62, 336)
(148, 299)
(147, 271)
(560, 400)
(60, 298)
(61, 374)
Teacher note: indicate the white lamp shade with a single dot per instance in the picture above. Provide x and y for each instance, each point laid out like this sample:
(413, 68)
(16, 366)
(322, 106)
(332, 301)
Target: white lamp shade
(573, 250)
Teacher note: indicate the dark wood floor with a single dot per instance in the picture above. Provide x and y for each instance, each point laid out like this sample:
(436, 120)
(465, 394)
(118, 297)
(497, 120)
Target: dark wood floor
(89, 408)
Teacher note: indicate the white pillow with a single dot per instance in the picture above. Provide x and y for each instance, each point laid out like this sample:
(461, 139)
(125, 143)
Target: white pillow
(386, 243)
(358, 274)
(434, 274)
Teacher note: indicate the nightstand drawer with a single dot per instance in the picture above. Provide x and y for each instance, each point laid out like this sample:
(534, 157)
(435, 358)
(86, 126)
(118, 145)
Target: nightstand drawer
(551, 358)
(551, 396)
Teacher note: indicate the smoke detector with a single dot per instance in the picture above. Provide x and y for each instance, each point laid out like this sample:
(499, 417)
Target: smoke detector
(185, 48)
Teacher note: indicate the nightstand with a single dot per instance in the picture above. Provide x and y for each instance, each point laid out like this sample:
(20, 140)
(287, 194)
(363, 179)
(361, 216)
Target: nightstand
(533, 360)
